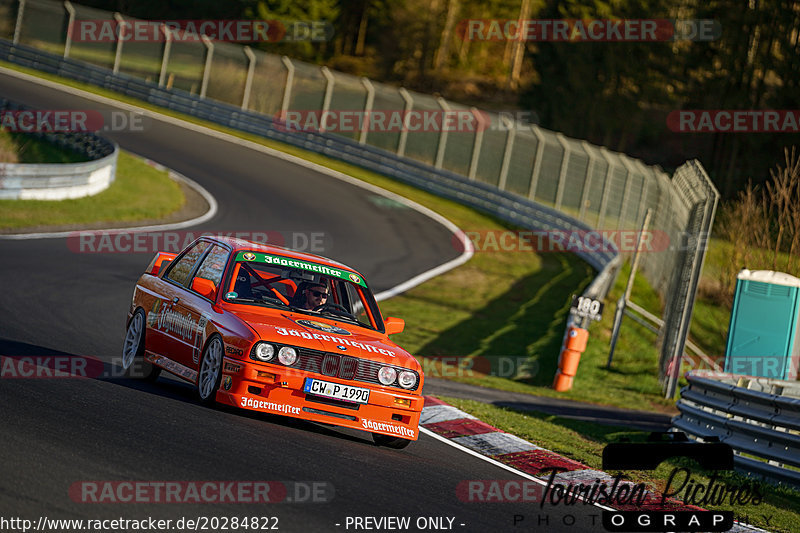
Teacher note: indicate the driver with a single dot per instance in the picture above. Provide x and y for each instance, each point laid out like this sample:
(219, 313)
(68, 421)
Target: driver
(312, 296)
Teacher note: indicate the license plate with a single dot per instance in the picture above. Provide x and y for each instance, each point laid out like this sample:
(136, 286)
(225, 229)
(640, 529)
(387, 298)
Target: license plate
(336, 391)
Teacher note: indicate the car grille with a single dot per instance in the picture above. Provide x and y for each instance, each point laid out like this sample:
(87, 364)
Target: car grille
(342, 366)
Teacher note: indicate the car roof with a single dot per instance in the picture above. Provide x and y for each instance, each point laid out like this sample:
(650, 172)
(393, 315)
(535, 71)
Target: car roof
(239, 245)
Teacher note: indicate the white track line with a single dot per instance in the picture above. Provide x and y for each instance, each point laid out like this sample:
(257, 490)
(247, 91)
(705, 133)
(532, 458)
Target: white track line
(498, 463)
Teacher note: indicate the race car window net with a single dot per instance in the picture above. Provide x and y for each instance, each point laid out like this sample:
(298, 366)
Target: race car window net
(255, 283)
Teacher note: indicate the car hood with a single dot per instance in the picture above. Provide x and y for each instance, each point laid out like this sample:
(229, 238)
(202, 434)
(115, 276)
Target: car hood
(318, 333)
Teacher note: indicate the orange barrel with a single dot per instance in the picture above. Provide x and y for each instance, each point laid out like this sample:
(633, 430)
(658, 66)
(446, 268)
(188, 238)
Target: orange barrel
(568, 362)
(562, 382)
(576, 339)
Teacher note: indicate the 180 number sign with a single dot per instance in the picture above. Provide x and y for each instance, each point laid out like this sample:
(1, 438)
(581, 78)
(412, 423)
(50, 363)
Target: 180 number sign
(586, 307)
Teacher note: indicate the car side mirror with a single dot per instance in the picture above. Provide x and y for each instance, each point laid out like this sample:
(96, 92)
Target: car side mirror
(205, 287)
(394, 325)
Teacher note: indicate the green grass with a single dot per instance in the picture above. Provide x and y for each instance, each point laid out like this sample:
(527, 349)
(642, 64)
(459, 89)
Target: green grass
(139, 192)
(30, 149)
(485, 329)
(584, 442)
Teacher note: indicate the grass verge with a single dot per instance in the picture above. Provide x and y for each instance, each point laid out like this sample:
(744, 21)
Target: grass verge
(584, 442)
(139, 192)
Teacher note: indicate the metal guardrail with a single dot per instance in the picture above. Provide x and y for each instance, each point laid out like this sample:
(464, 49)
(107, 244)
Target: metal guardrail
(755, 423)
(505, 205)
(25, 181)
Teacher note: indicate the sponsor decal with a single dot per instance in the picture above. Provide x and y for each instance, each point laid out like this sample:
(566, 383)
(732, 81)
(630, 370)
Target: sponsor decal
(234, 351)
(354, 278)
(395, 429)
(200, 338)
(172, 366)
(304, 265)
(231, 295)
(254, 403)
(227, 382)
(330, 338)
(322, 326)
(232, 367)
(152, 316)
(249, 256)
(174, 322)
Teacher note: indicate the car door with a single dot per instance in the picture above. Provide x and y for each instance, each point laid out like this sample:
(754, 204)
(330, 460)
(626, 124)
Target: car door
(197, 304)
(169, 325)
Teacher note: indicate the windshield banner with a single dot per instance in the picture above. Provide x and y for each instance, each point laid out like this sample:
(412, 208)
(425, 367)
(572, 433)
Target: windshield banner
(256, 257)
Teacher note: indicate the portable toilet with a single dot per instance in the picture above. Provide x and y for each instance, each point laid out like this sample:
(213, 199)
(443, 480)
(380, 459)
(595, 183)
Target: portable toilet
(763, 337)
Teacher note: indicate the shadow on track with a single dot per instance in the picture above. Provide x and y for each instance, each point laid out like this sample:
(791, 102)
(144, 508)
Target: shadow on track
(24, 361)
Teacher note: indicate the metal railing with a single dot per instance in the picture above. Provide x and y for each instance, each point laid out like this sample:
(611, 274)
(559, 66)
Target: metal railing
(758, 417)
(43, 181)
(520, 172)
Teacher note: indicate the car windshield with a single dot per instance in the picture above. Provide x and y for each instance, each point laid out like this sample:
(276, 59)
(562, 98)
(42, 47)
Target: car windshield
(316, 289)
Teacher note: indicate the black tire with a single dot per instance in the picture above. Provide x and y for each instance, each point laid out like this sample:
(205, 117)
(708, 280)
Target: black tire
(209, 375)
(133, 350)
(390, 442)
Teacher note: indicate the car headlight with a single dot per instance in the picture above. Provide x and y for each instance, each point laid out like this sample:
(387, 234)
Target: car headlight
(264, 351)
(287, 355)
(387, 375)
(407, 379)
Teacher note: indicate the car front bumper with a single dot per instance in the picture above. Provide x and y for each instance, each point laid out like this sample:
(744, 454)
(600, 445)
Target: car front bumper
(277, 389)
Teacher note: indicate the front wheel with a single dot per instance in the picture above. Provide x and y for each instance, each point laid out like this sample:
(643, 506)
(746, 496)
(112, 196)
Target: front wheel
(210, 374)
(133, 350)
(390, 442)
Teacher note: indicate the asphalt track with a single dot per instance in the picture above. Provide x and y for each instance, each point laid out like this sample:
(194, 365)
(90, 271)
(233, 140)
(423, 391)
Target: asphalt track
(58, 432)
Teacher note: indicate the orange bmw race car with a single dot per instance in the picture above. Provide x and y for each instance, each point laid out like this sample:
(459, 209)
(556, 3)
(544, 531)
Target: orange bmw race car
(273, 330)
